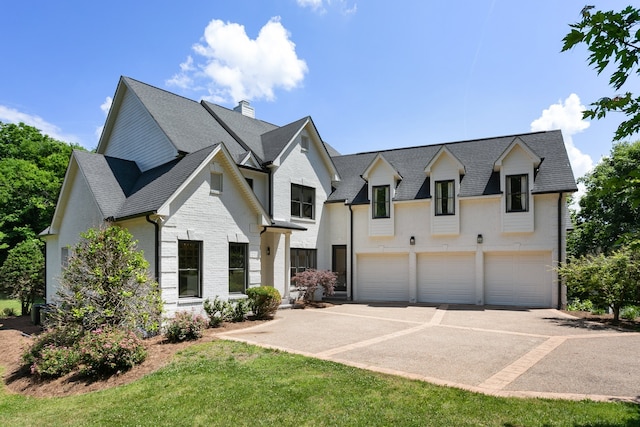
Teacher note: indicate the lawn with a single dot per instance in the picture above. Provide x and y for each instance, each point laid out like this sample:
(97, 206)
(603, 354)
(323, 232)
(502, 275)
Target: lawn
(226, 383)
(9, 303)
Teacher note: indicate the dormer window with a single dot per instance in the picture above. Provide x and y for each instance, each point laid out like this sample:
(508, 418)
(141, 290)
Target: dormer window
(518, 193)
(380, 205)
(445, 197)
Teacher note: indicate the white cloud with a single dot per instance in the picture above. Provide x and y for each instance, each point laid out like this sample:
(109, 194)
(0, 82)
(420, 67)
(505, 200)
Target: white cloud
(234, 67)
(567, 116)
(320, 6)
(106, 105)
(12, 115)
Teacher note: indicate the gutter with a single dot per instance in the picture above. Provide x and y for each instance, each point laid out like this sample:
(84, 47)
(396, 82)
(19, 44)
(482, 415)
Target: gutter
(559, 249)
(155, 246)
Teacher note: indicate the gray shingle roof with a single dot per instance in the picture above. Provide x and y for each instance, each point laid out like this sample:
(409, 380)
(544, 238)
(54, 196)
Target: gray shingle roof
(478, 157)
(187, 124)
(275, 141)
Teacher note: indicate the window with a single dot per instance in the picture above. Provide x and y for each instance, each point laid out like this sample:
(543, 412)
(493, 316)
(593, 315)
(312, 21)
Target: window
(445, 197)
(237, 268)
(64, 257)
(216, 182)
(304, 143)
(302, 201)
(517, 193)
(380, 202)
(302, 260)
(189, 265)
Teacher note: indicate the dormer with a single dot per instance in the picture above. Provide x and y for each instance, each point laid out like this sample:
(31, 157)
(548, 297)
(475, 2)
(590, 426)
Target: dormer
(445, 171)
(383, 178)
(517, 165)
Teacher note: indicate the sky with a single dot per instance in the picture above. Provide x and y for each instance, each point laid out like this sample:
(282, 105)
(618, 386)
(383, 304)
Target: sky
(372, 74)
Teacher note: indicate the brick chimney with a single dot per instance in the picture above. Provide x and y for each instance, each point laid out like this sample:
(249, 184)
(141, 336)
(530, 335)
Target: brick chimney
(245, 109)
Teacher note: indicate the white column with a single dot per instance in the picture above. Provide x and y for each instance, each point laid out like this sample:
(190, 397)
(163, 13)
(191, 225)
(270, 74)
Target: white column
(287, 265)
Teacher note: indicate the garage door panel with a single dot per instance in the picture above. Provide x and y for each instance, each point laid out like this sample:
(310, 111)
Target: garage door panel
(446, 277)
(383, 277)
(522, 279)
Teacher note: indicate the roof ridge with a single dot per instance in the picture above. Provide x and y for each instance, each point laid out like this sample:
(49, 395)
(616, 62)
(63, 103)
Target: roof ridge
(447, 143)
(160, 89)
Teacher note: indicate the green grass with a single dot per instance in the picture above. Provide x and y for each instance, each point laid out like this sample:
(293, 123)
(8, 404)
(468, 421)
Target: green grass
(9, 303)
(232, 384)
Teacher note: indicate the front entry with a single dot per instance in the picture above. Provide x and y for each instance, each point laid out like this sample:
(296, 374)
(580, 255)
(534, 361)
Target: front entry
(339, 266)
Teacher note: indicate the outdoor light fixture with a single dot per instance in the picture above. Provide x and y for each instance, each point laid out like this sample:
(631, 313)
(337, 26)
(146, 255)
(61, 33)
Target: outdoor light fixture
(479, 239)
(268, 250)
(412, 241)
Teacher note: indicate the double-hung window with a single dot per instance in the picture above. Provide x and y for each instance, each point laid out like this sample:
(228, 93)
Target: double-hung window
(237, 268)
(302, 260)
(445, 197)
(303, 201)
(517, 193)
(189, 268)
(380, 203)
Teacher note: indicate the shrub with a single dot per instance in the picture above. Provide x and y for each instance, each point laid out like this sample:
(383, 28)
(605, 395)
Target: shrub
(218, 311)
(9, 312)
(239, 310)
(22, 273)
(309, 280)
(264, 301)
(107, 282)
(630, 312)
(108, 350)
(577, 305)
(185, 326)
(53, 353)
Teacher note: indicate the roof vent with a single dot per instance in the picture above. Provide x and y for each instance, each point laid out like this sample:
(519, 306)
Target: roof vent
(245, 109)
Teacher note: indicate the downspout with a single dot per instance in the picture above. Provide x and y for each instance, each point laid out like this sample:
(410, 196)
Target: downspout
(559, 249)
(155, 246)
(351, 251)
(270, 194)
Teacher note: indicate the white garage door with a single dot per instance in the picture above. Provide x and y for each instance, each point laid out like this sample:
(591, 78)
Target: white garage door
(383, 277)
(523, 279)
(447, 277)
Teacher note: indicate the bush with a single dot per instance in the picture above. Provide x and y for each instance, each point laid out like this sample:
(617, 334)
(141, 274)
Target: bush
(108, 350)
(309, 280)
(9, 312)
(185, 326)
(239, 310)
(218, 311)
(577, 305)
(264, 301)
(22, 273)
(630, 312)
(53, 353)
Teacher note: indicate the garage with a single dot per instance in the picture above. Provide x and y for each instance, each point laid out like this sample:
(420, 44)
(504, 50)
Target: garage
(383, 277)
(522, 279)
(447, 278)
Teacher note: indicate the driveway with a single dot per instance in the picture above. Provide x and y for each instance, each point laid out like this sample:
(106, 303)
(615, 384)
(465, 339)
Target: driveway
(498, 351)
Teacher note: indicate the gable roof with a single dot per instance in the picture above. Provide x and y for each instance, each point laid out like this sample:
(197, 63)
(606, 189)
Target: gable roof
(478, 158)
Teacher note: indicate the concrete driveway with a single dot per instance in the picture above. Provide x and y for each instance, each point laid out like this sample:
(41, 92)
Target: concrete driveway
(497, 351)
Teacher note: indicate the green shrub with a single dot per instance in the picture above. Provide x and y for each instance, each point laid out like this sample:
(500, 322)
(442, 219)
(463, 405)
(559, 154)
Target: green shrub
(9, 312)
(185, 326)
(577, 305)
(264, 301)
(108, 350)
(239, 310)
(630, 312)
(218, 311)
(55, 361)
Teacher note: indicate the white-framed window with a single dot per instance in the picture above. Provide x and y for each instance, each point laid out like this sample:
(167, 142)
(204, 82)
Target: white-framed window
(445, 197)
(380, 201)
(517, 193)
(216, 182)
(303, 200)
(189, 268)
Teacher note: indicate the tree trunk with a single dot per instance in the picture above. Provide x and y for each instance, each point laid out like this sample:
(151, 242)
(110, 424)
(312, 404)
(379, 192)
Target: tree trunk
(616, 313)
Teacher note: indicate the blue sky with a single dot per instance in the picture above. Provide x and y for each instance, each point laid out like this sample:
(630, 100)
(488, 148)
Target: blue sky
(372, 74)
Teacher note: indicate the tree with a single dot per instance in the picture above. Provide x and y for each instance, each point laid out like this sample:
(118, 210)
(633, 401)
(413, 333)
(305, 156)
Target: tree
(32, 168)
(22, 273)
(107, 283)
(607, 280)
(609, 214)
(612, 38)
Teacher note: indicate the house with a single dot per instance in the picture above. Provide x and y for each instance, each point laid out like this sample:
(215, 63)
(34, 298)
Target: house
(220, 201)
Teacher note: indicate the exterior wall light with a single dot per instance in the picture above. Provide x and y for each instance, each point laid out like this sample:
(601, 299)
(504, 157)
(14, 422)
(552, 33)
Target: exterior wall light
(268, 250)
(412, 241)
(479, 238)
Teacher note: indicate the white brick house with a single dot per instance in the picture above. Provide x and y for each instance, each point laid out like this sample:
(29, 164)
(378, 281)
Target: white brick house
(220, 201)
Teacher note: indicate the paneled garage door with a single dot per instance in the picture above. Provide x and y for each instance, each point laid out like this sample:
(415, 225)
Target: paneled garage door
(523, 279)
(447, 277)
(383, 277)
